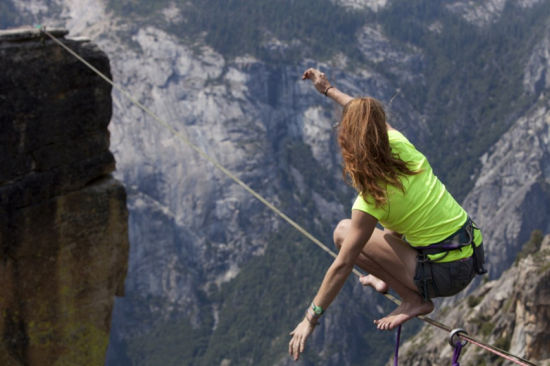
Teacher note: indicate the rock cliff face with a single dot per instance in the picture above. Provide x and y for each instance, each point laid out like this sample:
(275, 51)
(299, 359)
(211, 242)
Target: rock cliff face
(511, 197)
(63, 218)
(511, 313)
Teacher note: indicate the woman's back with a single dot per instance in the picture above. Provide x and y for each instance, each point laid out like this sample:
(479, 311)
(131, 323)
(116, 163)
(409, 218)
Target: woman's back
(424, 211)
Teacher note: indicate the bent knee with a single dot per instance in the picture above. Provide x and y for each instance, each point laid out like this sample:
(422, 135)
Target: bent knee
(340, 232)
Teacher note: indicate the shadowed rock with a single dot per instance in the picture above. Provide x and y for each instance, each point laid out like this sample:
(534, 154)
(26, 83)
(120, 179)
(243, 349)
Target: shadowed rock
(63, 218)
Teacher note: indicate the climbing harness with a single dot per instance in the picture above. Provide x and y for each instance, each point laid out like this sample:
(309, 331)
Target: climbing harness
(180, 135)
(463, 237)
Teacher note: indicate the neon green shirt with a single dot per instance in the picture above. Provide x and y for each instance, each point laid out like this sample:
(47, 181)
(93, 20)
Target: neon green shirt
(425, 212)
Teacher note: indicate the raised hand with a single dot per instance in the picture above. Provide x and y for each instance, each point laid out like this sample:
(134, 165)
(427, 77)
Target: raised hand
(318, 79)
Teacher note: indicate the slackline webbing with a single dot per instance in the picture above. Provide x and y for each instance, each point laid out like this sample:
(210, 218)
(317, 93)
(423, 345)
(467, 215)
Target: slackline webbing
(180, 135)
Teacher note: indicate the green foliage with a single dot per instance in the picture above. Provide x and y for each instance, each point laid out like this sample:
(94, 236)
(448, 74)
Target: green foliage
(480, 359)
(487, 328)
(544, 267)
(531, 246)
(473, 301)
(265, 302)
(258, 309)
(484, 323)
(312, 28)
(138, 9)
(503, 342)
(508, 304)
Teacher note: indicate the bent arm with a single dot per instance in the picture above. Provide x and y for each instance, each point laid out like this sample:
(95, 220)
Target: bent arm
(362, 226)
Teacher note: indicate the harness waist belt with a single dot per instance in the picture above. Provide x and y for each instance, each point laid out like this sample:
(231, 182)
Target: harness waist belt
(461, 238)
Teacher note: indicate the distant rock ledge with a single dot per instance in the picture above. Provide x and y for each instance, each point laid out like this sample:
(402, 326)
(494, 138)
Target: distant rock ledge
(63, 217)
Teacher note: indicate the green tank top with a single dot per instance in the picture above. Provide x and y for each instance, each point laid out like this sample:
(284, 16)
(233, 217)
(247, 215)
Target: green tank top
(424, 212)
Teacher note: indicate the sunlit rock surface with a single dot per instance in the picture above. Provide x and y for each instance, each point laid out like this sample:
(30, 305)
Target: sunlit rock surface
(63, 218)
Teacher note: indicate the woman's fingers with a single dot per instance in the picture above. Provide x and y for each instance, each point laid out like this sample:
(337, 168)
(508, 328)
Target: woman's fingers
(294, 348)
(299, 337)
(312, 73)
(308, 74)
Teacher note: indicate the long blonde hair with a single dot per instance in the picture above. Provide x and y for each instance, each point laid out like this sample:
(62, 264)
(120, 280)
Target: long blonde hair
(368, 160)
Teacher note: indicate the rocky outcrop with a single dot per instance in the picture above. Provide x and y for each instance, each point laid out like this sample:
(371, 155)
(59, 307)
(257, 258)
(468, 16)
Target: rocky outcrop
(63, 218)
(511, 197)
(511, 313)
(537, 71)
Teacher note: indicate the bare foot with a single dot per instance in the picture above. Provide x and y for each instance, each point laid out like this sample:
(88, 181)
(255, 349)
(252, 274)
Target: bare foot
(407, 310)
(375, 283)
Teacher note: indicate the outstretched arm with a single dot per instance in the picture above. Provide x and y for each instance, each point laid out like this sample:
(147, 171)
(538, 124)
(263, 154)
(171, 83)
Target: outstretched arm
(362, 226)
(322, 84)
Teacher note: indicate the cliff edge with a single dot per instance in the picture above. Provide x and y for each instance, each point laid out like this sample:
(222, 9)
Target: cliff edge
(63, 218)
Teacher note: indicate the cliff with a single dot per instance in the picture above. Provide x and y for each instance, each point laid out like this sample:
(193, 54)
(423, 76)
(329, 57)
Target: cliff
(511, 313)
(63, 218)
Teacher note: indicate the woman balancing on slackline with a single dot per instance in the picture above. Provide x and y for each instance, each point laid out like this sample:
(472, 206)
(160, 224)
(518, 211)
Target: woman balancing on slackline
(429, 247)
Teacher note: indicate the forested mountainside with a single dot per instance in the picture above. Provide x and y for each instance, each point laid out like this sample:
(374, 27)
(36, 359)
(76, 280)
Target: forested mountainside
(215, 278)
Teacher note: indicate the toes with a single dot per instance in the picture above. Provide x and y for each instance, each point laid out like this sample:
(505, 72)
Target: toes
(385, 323)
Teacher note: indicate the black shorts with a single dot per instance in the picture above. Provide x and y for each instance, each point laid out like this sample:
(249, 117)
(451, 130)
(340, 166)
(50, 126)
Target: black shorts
(443, 279)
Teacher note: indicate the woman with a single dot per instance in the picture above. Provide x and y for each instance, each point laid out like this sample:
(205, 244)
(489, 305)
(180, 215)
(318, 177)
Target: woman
(428, 248)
